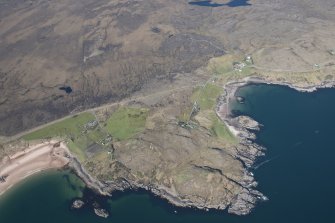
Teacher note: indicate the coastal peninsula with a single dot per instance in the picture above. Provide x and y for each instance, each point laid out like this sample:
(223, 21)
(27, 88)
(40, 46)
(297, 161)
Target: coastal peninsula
(137, 94)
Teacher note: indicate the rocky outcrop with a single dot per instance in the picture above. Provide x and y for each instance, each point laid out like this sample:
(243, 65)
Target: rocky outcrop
(245, 201)
(248, 123)
(77, 204)
(101, 212)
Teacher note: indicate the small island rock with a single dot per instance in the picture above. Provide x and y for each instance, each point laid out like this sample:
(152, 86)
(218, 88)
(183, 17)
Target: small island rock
(240, 99)
(77, 204)
(101, 212)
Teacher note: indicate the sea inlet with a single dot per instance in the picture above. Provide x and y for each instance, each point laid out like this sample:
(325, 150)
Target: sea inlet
(297, 174)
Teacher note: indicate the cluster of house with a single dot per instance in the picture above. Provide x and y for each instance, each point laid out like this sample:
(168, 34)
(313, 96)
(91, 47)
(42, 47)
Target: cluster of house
(92, 124)
(238, 66)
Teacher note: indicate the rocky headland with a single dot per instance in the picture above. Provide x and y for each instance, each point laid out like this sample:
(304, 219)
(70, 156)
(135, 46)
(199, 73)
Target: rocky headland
(235, 189)
(246, 153)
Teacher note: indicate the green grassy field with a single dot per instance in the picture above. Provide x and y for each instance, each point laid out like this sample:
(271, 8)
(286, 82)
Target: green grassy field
(70, 127)
(122, 124)
(74, 148)
(206, 96)
(126, 122)
(80, 144)
(73, 130)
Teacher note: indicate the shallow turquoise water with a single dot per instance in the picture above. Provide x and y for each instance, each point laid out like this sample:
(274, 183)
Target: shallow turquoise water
(297, 173)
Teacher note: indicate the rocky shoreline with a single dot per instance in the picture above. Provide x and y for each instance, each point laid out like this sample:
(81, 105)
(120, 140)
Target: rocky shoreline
(241, 205)
(247, 151)
(240, 126)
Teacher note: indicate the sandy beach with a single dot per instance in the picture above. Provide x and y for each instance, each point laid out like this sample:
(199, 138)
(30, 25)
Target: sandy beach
(33, 159)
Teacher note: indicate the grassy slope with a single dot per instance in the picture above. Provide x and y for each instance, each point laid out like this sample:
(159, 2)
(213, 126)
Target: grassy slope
(222, 132)
(126, 122)
(206, 96)
(74, 148)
